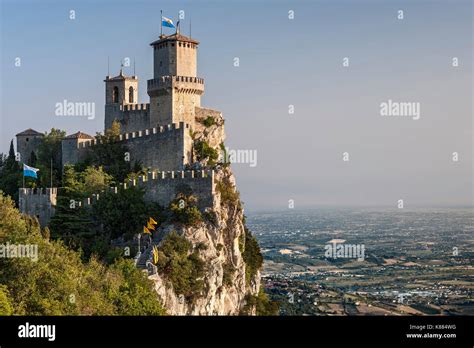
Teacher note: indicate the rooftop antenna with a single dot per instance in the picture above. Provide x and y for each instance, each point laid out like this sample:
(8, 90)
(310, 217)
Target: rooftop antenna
(121, 67)
(108, 66)
(134, 67)
(190, 22)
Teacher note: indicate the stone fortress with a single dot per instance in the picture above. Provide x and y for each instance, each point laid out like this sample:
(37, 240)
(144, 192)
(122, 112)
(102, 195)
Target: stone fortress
(157, 134)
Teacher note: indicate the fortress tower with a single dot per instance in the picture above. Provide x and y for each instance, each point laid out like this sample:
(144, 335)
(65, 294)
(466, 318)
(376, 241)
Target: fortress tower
(120, 91)
(27, 142)
(175, 90)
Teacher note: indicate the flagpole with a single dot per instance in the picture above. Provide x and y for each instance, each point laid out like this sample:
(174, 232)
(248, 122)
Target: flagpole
(161, 23)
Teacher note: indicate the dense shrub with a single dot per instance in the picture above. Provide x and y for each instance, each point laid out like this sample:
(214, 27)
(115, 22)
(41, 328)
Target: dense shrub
(181, 266)
(209, 121)
(61, 283)
(205, 151)
(252, 256)
(263, 305)
(229, 195)
(184, 210)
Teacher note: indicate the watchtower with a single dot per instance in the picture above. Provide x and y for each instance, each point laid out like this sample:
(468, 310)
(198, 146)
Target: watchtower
(27, 142)
(119, 91)
(175, 90)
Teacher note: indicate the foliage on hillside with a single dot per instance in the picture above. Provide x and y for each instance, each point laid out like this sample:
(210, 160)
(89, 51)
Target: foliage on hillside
(205, 152)
(112, 216)
(10, 174)
(264, 306)
(182, 266)
(229, 195)
(184, 210)
(252, 256)
(111, 155)
(60, 283)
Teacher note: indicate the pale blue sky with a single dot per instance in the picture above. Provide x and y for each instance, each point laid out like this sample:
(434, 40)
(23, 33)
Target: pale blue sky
(282, 62)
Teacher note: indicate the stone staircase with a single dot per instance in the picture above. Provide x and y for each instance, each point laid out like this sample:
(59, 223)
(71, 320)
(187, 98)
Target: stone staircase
(143, 258)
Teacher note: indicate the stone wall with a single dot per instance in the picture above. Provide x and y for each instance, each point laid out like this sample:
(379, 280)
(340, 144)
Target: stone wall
(132, 117)
(162, 187)
(163, 148)
(40, 203)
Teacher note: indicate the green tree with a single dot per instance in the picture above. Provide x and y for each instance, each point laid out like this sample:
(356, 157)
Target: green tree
(185, 211)
(6, 307)
(252, 256)
(123, 213)
(61, 283)
(205, 152)
(134, 294)
(95, 180)
(10, 174)
(50, 155)
(111, 154)
(182, 266)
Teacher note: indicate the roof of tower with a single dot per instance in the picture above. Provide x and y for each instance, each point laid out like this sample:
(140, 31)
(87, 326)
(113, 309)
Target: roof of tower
(120, 77)
(30, 131)
(79, 135)
(174, 37)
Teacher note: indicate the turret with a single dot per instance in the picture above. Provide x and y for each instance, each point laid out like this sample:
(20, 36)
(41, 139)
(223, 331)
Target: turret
(175, 91)
(119, 91)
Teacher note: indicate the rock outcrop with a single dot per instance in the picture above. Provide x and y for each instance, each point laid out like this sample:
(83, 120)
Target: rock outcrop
(226, 283)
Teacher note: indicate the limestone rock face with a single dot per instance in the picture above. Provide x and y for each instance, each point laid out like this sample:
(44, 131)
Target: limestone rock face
(224, 239)
(214, 134)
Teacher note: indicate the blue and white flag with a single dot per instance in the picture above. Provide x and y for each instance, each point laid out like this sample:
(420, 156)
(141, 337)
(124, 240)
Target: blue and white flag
(166, 22)
(30, 171)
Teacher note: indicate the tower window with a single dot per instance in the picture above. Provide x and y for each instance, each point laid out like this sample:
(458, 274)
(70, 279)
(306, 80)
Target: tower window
(130, 94)
(115, 95)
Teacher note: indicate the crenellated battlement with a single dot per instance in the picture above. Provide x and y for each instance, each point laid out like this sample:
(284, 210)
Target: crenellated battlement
(38, 191)
(162, 187)
(138, 134)
(134, 107)
(38, 202)
(184, 84)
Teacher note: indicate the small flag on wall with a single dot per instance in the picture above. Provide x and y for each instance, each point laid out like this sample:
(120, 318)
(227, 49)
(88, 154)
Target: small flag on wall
(155, 254)
(30, 171)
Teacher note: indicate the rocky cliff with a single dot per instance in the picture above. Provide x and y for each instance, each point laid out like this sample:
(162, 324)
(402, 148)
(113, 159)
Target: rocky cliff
(219, 240)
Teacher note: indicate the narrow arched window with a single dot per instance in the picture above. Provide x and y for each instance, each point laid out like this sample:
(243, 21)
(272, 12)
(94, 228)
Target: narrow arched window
(130, 94)
(115, 95)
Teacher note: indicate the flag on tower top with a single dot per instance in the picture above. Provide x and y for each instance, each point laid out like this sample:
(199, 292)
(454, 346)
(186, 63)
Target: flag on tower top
(166, 22)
